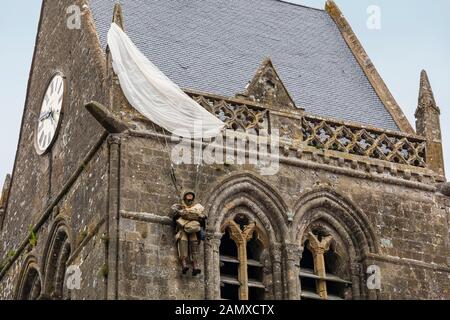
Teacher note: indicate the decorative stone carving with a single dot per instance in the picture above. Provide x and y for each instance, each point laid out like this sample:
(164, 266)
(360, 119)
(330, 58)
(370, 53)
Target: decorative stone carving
(318, 249)
(237, 116)
(330, 135)
(266, 87)
(317, 132)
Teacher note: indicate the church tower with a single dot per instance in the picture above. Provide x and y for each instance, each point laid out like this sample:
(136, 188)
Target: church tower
(352, 209)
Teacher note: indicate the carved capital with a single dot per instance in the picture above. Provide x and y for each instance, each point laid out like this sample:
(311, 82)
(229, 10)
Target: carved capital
(214, 235)
(319, 247)
(293, 252)
(248, 231)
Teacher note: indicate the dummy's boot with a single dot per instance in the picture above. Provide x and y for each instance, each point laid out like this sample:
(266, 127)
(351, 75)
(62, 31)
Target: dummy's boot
(184, 252)
(194, 253)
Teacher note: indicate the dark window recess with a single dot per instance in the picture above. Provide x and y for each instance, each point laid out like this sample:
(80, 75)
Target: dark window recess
(231, 286)
(228, 246)
(229, 291)
(229, 266)
(337, 287)
(254, 266)
(255, 269)
(308, 285)
(256, 293)
(229, 269)
(307, 261)
(255, 273)
(331, 262)
(307, 280)
(254, 248)
(242, 221)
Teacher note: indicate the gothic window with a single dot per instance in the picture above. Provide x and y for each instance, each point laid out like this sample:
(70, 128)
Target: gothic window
(30, 286)
(322, 271)
(241, 272)
(56, 266)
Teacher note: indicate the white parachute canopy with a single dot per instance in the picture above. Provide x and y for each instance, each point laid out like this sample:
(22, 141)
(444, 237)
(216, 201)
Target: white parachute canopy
(154, 95)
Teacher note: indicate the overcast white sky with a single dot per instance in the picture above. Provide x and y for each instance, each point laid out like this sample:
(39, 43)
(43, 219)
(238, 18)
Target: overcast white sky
(414, 35)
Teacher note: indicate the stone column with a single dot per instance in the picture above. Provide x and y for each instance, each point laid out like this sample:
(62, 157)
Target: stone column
(277, 271)
(293, 256)
(242, 271)
(212, 265)
(318, 249)
(113, 217)
(356, 273)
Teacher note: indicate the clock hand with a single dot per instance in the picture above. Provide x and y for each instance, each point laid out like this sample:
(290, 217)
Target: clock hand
(45, 116)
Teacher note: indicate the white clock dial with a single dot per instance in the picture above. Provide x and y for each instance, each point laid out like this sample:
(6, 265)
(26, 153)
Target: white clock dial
(50, 115)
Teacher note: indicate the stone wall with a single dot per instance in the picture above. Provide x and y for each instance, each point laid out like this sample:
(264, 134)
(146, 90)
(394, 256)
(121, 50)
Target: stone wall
(61, 178)
(113, 195)
(82, 210)
(409, 225)
(70, 52)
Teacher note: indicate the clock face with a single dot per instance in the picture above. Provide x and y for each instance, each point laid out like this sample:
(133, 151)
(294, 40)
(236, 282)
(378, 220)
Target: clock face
(50, 115)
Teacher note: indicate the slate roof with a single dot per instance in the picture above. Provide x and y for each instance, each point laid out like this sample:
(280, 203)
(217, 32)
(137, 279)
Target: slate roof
(217, 46)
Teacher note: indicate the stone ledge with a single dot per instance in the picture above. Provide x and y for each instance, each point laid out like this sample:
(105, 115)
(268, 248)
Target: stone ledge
(408, 262)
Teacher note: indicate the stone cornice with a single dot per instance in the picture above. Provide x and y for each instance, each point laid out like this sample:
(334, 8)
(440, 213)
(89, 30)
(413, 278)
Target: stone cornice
(368, 67)
(408, 262)
(336, 162)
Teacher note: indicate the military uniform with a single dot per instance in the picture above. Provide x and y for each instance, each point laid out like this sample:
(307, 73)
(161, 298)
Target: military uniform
(190, 223)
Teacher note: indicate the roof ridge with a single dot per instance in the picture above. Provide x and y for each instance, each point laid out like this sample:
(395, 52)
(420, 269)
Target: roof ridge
(300, 5)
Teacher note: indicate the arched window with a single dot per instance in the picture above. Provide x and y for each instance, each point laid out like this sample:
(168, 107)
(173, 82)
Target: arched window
(29, 287)
(324, 273)
(241, 251)
(56, 265)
